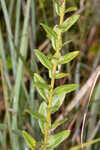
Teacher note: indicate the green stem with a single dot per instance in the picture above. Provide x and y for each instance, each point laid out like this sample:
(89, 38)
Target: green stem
(53, 77)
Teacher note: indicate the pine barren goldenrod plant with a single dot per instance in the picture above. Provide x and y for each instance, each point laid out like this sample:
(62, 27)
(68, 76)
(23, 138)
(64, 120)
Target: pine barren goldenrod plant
(53, 96)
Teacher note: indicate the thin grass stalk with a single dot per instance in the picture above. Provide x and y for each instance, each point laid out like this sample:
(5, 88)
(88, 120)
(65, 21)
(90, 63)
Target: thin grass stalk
(19, 76)
(2, 54)
(53, 76)
(3, 140)
(94, 108)
(5, 91)
(10, 37)
(11, 8)
(17, 25)
(34, 67)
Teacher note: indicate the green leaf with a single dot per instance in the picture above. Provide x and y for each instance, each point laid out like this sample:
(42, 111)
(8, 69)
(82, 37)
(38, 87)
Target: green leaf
(56, 124)
(55, 140)
(36, 115)
(67, 24)
(68, 57)
(57, 102)
(61, 75)
(64, 89)
(43, 111)
(44, 92)
(58, 8)
(3, 126)
(70, 9)
(29, 140)
(41, 85)
(49, 31)
(54, 40)
(85, 144)
(43, 59)
(67, 42)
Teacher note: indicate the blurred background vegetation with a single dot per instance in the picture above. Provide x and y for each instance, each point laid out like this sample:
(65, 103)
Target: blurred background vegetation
(20, 34)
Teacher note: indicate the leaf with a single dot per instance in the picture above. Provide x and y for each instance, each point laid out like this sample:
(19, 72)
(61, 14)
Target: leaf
(43, 111)
(55, 140)
(36, 115)
(85, 144)
(29, 140)
(49, 31)
(58, 8)
(42, 91)
(61, 75)
(68, 57)
(70, 9)
(64, 89)
(56, 124)
(43, 59)
(67, 42)
(41, 85)
(54, 40)
(57, 102)
(67, 24)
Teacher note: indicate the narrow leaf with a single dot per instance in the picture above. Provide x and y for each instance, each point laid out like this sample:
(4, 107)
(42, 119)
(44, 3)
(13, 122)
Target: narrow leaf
(49, 31)
(58, 8)
(64, 89)
(43, 59)
(55, 140)
(85, 144)
(67, 24)
(70, 9)
(41, 85)
(29, 140)
(61, 75)
(36, 115)
(56, 124)
(57, 102)
(43, 111)
(42, 91)
(68, 57)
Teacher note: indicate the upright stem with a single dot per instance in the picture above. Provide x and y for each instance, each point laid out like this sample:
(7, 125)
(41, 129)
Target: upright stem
(53, 76)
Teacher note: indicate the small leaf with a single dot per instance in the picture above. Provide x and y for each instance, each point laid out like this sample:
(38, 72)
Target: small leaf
(70, 9)
(58, 8)
(43, 59)
(64, 89)
(42, 91)
(43, 111)
(68, 57)
(54, 40)
(67, 42)
(36, 115)
(56, 124)
(68, 23)
(29, 140)
(57, 102)
(85, 144)
(41, 85)
(61, 75)
(49, 31)
(55, 140)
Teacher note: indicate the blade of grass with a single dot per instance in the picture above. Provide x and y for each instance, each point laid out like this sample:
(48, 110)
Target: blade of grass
(10, 37)
(17, 25)
(2, 54)
(5, 91)
(19, 76)
(11, 8)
